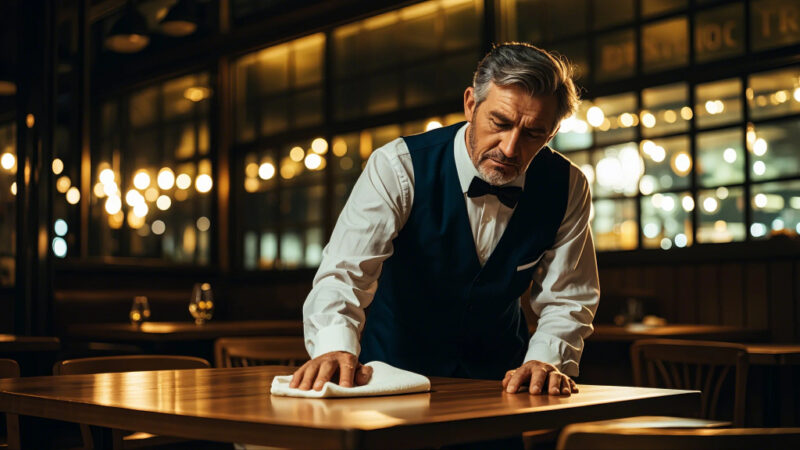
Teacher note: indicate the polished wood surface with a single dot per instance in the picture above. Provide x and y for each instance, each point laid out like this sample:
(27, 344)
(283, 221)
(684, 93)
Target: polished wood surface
(184, 331)
(773, 354)
(10, 343)
(234, 405)
(632, 332)
(127, 363)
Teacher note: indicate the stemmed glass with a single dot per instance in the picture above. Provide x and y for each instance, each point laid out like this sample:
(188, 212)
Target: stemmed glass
(201, 305)
(140, 310)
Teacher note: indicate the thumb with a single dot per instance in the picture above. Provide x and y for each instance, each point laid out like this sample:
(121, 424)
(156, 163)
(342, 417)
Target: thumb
(363, 374)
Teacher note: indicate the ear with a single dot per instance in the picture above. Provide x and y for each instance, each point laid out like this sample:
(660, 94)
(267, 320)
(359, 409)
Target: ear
(469, 103)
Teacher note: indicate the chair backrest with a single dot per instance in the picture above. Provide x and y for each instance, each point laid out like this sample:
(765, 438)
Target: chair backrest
(128, 363)
(697, 365)
(582, 436)
(8, 368)
(260, 351)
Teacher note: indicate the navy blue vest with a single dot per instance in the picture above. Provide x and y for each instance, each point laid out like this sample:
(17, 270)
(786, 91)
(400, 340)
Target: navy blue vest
(436, 310)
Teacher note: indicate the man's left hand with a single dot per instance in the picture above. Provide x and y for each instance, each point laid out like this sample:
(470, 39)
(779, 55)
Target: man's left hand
(539, 378)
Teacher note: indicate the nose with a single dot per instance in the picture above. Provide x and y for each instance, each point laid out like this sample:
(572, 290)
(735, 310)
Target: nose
(509, 143)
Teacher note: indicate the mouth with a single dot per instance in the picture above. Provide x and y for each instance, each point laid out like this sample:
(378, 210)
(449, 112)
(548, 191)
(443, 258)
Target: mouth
(503, 164)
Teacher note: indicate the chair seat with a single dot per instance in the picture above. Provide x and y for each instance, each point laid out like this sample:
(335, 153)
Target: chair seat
(657, 422)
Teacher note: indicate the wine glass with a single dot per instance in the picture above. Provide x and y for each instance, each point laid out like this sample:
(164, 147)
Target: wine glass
(201, 305)
(140, 310)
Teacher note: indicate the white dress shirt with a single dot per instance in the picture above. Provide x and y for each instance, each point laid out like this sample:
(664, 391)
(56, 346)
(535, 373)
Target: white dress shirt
(565, 289)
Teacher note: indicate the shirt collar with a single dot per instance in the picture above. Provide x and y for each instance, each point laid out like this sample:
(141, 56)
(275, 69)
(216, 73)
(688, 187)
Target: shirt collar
(466, 170)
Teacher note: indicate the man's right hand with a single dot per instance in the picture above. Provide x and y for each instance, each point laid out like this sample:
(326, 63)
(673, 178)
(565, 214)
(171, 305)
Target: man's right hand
(323, 368)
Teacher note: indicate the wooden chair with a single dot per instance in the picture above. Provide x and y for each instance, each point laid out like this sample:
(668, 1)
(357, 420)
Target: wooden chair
(600, 437)
(696, 365)
(10, 369)
(122, 439)
(260, 351)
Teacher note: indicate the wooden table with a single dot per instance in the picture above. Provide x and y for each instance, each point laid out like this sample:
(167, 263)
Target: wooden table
(773, 378)
(774, 354)
(180, 338)
(632, 332)
(234, 405)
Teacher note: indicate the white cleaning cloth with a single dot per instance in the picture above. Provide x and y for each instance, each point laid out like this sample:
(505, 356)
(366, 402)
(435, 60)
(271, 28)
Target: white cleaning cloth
(386, 380)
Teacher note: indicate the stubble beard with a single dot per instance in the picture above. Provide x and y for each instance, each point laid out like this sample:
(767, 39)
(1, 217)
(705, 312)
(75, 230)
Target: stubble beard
(491, 175)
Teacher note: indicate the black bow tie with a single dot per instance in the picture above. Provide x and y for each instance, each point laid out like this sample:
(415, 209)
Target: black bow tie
(508, 195)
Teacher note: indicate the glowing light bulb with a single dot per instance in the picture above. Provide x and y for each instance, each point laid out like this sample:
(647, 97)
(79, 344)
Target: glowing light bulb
(113, 204)
(183, 181)
(203, 183)
(73, 195)
(266, 171)
(163, 203)
(7, 161)
(141, 180)
(313, 161)
(166, 178)
(319, 146)
(595, 116)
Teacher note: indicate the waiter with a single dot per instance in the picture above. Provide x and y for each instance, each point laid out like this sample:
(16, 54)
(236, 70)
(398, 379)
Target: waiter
(444, 231)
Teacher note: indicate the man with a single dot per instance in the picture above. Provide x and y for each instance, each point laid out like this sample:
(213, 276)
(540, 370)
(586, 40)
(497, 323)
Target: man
(445, 230)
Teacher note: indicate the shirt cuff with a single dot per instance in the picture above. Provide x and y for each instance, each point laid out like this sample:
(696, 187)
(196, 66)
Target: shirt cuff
(336, 339)
(552, 351)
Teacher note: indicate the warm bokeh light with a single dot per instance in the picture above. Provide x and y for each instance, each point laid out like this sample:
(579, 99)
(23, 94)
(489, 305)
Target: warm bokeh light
(115, 220)
(133, 198)
(686, 113)
(57, 166)
(163, 202)
(63, 184)
(760, 147)
(266, 171)
(183, 181)
(759, 168)
(151, 194)
(110, 189)
(626, 119)
(203, 224)
(203, 183)
(339, 147)
(648, 119)
(729, 155)
(8, 160)
(710, 205)
(166, 178)
(670, 116)
(760, 200)
(319, 146)
(297, 154)
(595, 116)
(73, 195)
(98, 190)
(432, 125)
(30, 120)
(14, 188)
(113, 204)
(196, 94)
(313, 161)
(251, 184)
(135, 221)
(158, 227)
(251, 170)
(687, 202)
(106, 176)
(141, 209)
(682, 163)
(141, 180)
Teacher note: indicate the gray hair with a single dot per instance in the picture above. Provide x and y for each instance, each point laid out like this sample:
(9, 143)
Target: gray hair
(535, 70)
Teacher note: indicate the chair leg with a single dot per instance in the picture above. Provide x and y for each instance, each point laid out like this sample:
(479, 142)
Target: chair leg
(12, 432)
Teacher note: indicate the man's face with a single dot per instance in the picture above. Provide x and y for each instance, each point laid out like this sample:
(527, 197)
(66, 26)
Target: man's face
(507, 130)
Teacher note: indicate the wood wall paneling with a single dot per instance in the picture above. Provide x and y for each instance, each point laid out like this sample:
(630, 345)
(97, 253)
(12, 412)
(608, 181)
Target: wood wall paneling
(708, 298)
(731, 292)
(781, 287)
(685, 278)
(757, 306)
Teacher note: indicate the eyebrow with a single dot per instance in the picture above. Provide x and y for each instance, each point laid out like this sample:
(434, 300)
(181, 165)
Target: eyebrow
(503, 118)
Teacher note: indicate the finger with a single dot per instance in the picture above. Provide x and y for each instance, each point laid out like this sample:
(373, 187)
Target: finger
(363, 375)
(554, 383)
(326, 371)
(565, 389)
(519, 377)
(297, 376)
(308, 376)
(507, 378)
(346, 370)
(538, 379)
(573, 385)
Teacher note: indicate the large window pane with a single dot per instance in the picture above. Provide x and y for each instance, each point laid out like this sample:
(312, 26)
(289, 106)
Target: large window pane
(614, 224)
(775, 93)
(720, 158)
(617, 170)
(622, 12)
(719, 33)
(667, 164)
(776, 209)
(667, 220)
(718, 103)
(152, 186)
(665, 45)
(575, 132)
(773, 23)
(774, 149)
(615, 55)
(721, 215)
(655, 7)
(665, 109)
(619, 118)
